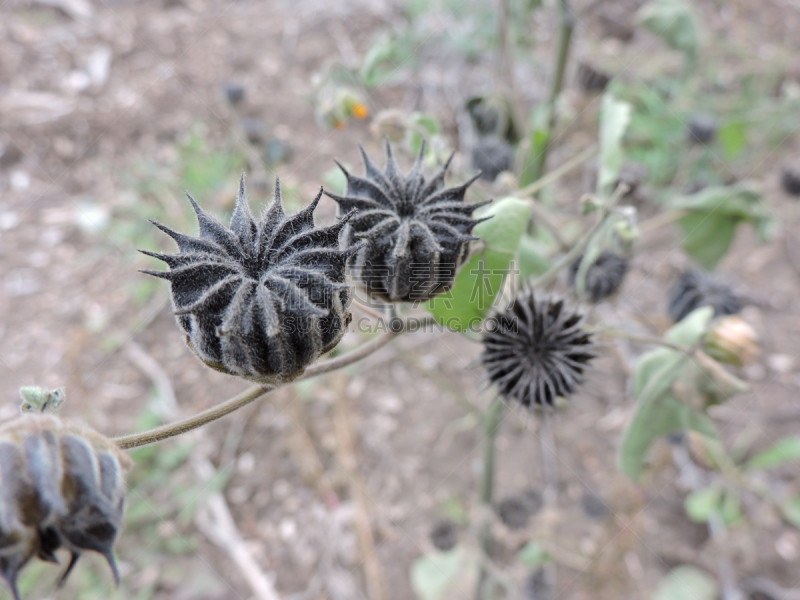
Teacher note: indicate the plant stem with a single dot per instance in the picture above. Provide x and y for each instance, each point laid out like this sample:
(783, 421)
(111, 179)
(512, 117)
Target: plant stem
(556, 174)
(491, 422)
(644, 339)
(565, 38)
(548, 446)
(551, 274)
(134, 440)
(662, 219)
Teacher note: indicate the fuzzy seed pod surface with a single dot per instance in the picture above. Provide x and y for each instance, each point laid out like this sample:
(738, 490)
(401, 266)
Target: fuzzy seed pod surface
(604, 276)
(695, 289)
(491, 156)
(260, 300)
(536, 350)
(417, 231)
(591, 79)
(702, 129)
(60, 486)
(444, 535)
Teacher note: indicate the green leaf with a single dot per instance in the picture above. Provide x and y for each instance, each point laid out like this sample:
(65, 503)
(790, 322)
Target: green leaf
(538, 125)
(782, 452)
(655, 372)
(791, 511)
(531, 262)
(433, 576)
(713, 215)
(532, 555)
(652, 420)
(688, 331)
(674, 22)
(380, 52)
(335, 181)
(480, 280)
(614, 119)
(701, 504)
(419, 123)
(687, 583)
(733, 138)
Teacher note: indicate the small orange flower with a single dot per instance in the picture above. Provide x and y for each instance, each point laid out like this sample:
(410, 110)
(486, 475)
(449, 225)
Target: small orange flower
(360, 111)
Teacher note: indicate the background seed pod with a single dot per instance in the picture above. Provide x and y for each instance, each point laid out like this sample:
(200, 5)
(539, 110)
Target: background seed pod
(60, 486)
(514, 512)
(790, 180)
(418, 233)
(260, 300)
(604, 276)
(444, 535)
(536, 350)
(491, 156)
(592, 79)
(695, 289)
(702, 129)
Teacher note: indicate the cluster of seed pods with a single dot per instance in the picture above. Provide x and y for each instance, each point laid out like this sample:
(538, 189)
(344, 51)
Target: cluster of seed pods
(61, 486)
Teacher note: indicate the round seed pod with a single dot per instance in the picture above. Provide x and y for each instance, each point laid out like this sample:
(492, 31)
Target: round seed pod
(592, 79)
(444, 535)
(604, 276)
(536, 350)
(790, 181)
(418, 233)
(536, 586)
(695, 289)
(593, 505)
(514, 512)
(260, 300)
(491, 156)
(702, 129)
(60, 486)
(234, 92)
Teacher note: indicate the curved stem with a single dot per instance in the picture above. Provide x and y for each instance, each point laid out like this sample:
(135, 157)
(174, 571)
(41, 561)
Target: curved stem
(662, 219)
(559, 172)
(644, 339)
(134, 440)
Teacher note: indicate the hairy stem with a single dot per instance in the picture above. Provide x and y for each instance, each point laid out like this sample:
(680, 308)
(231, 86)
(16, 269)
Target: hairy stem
(491, 422)
(134, 440)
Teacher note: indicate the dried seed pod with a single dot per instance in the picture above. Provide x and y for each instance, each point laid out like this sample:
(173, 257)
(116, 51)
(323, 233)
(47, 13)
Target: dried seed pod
(593, 505)
(536, 350)
(592, 79)
(514, 511)
(695, 289)
(604, 276)
(234, 92)
(790, 181)
(536, 586)
(261, 300)
(702, 129)
(60, 486)
(418, 233)
(444, 535)
(491, 156)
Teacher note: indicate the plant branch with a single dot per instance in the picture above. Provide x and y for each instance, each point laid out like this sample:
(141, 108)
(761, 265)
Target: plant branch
(565, 38)
(556, 174)
(645, 339)
(662, 219)
(491, 422)
(164, 432)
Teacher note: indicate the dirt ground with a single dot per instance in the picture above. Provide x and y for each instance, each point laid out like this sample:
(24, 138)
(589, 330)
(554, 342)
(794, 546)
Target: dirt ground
(97, 98)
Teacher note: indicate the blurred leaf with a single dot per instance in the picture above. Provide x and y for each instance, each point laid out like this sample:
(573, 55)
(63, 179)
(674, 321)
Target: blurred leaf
(674, 22)
(714, 213)
(420, 125)
(691, 328)
(791, 511)
(538, 137)
(782, 452)
(372, 70)
(532, 555)
(733, 139)
(453, 509)
(654, 373)
(652, 420)
(435, 575)
(614, 119)
(531, 262)
(480, 280)
(701, 504)
(687, 583)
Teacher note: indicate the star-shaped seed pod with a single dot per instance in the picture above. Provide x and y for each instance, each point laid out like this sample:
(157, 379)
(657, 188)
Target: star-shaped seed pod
(60, 486)
(536, 350)
(418, 231)
(260, 299)
(695, 289)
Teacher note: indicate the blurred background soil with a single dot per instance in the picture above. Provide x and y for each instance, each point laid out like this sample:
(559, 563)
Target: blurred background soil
(110, 109)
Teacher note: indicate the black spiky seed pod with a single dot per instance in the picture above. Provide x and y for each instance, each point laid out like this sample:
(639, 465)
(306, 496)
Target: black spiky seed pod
(444, 535)
(536, 350)
(60, 486)
(702, 129)
(418, 232)
(790, 181)
(604, 276)
(491, 156)
(260, 300)
(695, 289)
